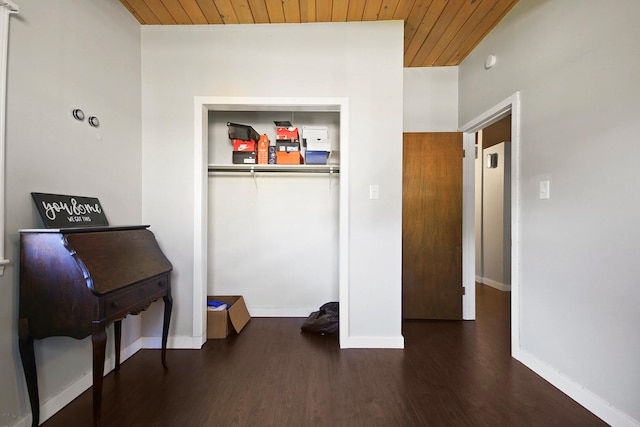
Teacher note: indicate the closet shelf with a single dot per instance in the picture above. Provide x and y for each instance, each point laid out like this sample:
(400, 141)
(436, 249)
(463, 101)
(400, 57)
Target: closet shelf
(275, 168)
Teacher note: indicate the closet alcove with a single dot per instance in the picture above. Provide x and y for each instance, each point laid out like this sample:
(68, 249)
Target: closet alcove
(275, 235)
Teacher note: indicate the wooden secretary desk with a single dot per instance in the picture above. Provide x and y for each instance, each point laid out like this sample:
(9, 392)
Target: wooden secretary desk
(75, 282)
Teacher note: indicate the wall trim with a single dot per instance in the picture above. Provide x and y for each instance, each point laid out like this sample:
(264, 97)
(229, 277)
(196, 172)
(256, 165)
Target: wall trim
(468, 227)
(376, 342)
(173, 342)
(82, 384)
(579, 393)
(282, 312)
(7, 8)
(497, 285)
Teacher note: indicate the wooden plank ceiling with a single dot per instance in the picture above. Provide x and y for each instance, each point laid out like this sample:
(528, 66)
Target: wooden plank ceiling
(436, 32)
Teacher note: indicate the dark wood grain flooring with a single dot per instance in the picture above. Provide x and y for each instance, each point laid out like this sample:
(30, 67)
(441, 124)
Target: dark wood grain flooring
(451, 373)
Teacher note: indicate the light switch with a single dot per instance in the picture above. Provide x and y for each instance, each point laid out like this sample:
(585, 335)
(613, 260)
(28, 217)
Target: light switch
(374, 192)
(544, 190)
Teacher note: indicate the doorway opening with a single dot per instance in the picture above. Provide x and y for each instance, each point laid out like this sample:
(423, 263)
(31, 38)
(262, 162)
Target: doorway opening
(493, 205)
(493, 231)
(508, 107)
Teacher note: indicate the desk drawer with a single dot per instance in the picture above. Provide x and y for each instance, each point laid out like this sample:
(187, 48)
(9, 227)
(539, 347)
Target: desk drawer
(134, 298)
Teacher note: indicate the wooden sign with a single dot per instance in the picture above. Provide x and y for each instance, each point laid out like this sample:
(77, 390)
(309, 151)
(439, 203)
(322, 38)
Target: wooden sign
(59, 211)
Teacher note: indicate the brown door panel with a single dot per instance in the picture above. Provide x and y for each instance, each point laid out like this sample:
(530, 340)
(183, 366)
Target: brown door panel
(432, 226)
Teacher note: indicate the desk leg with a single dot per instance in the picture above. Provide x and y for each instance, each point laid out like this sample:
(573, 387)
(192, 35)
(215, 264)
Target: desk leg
(99, 340)
(168, 304)
(25, 345)
(117, 333)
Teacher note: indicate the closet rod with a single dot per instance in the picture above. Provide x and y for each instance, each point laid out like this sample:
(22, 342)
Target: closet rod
(276, 168)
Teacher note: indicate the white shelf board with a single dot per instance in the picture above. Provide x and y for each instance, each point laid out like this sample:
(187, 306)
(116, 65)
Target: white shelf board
(274, 168)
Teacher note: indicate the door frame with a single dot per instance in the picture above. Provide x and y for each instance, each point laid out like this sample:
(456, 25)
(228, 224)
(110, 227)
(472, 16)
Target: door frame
(510, 105)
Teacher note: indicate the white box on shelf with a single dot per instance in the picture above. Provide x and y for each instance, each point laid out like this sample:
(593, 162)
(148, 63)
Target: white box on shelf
(315, 133)
(319, 145)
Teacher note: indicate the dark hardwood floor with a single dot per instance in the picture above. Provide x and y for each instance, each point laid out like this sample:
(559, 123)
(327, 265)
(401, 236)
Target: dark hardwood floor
(451, 373)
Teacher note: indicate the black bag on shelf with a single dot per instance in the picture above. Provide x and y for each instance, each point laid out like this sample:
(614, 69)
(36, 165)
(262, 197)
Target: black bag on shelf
(242, 132)
(324, 321)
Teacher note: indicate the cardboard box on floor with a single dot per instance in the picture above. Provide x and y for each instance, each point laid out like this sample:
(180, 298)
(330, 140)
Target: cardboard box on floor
(219, 323)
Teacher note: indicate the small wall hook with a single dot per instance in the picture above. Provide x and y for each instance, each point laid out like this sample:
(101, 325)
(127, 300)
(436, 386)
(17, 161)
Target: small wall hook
(78, 114)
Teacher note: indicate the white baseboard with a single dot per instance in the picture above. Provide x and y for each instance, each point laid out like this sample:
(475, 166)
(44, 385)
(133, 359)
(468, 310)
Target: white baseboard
(126, 353)
(68, 394)
(281, 312)
(497, 285)
(75, 389)
(375, 342)
(23, 422)
(62, 399)
(577, 392)
(179, 342)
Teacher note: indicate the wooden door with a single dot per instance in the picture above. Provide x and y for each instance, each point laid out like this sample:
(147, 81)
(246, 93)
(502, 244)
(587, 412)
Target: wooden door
(432, 226)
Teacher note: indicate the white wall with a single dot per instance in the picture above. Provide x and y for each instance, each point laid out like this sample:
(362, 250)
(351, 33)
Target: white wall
(576, 67)
(307, 60)
(430, 99)
(63, 55)
(496, 218)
